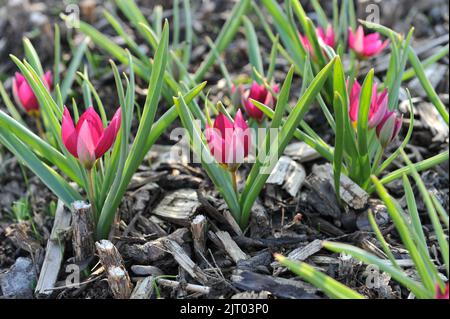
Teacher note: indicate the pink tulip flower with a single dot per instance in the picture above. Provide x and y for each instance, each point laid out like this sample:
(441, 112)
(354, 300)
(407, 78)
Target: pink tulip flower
(24, 95)
(229, 142)
(378, 105)
(365, 46)
(88, 141)
(440, 295)
(388, 128)
(326, 36)
(258, 92)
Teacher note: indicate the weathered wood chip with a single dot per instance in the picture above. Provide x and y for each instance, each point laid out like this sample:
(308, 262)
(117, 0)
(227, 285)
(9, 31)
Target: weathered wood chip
(279, 287)
(184, 260)
(434, 121)
(302, 253)
(231, 247)
(288, 174)
(301, 152)
(178, 207)
(143, 289)
(350, 192)
(54, 252)
(168, 154)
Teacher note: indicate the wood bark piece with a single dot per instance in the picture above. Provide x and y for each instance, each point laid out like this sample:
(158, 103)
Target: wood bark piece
(198, 230)
(211, 210)
(204, 290)
(288, 174)
(119, 282)
(434, 121)
(178, 207)
(108, 254)
(301, 152)
(54, 252)
(153, 250)
(144, 270)
(302, 253)
(279, 287)
(82, 231)
(351, 193)
(260, 223)
(184, 260)
(118, 279)
(231, 247)
(143, 289)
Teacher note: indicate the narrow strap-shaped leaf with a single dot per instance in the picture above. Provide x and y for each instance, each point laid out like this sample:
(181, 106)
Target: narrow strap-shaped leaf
(419, 166)
(363, 118)
(10, 105)
(405, 235)
(48, 176)
(227, 33)
(32, 57)
(321, 16)
(413, 212)
(383, 243)
(339, 110)
(254, 51)
(331, 287)
(57, 55)
(188, 35)
(73, 68)
(39, 146)
(432, 95)
(443, 243)
(370, 259)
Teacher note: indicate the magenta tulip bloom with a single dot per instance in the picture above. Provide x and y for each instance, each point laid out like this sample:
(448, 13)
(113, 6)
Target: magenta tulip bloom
(440, 295)
(229, 142)
(258, 92)
(88, 141)
(388, 128)
(378, 105)
(326, 36)
(365, 46)
(24, 95)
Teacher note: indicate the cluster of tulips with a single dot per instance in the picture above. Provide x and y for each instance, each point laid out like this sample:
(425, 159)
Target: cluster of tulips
(228, 140)
(101, 156)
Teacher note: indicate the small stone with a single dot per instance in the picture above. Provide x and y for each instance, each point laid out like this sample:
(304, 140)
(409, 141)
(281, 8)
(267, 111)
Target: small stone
(18, 281)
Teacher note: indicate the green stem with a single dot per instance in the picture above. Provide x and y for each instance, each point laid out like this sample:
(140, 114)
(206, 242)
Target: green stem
(91, 193)
(234, 180)
(37, 121)
(378, 158)
(357, 68)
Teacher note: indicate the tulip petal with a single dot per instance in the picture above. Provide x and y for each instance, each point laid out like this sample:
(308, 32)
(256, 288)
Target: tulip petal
(95, 124)
(223, 124)
(69, 135)
(15, 90)
(27, 98)
(243, 130)
(215, 144)
(86, 146)
(48, 79)
(358, 44)
(109, 135)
